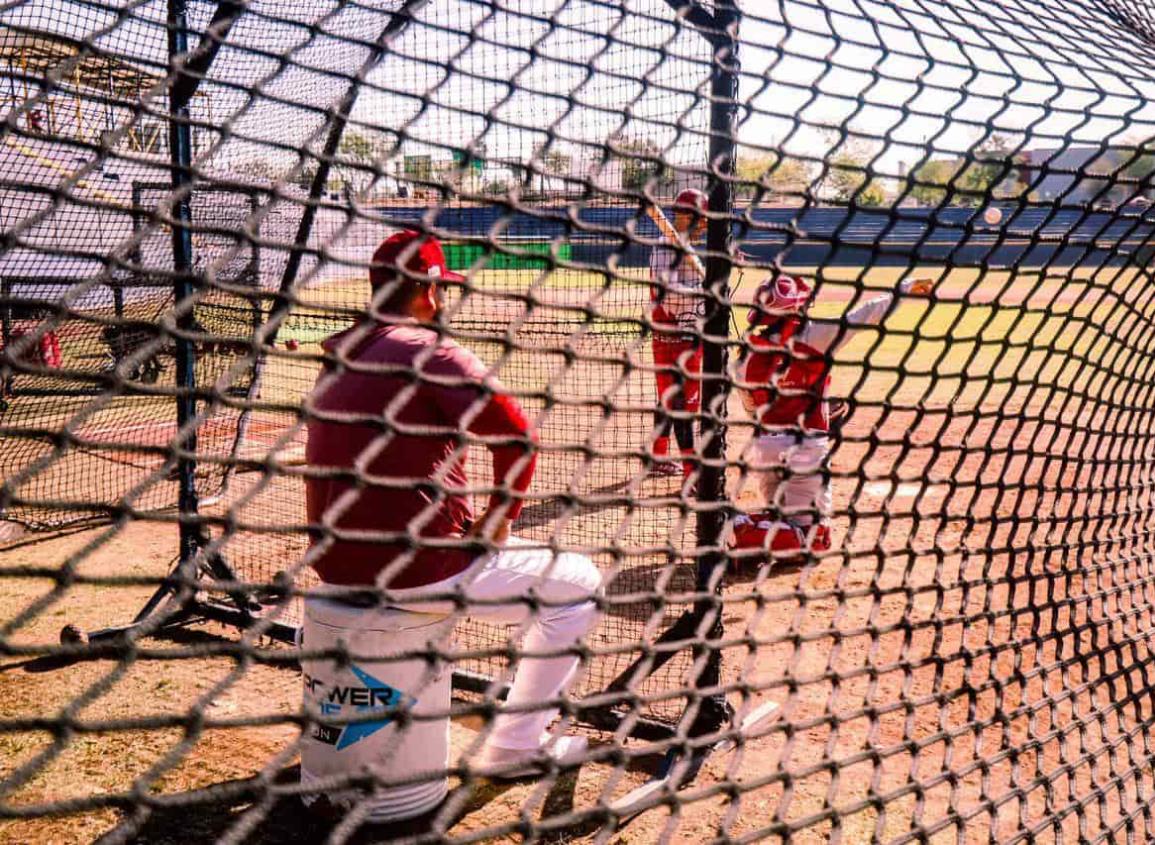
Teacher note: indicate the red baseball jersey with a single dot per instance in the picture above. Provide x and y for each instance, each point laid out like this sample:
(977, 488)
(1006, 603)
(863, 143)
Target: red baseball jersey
(784, 378)
(676, 292)
(783, 383)
(403, 416)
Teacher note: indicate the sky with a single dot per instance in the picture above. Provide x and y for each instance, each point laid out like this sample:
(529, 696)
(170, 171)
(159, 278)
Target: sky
(903, 81)
(938, 78)
(908, 79)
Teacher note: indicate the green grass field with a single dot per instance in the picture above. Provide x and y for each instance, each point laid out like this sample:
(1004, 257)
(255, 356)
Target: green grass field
(989, 310)
(984, 336)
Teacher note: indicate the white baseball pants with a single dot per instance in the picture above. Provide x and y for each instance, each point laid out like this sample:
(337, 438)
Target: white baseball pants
(495, 587)
(789, 472)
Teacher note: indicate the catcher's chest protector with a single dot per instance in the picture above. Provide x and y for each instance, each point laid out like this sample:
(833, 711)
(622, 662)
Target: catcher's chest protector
(785, 384)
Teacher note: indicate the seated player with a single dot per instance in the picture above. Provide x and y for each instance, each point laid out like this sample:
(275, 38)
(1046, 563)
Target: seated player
(676, 306)
(44, 352)
(783, 378)
(387, 426)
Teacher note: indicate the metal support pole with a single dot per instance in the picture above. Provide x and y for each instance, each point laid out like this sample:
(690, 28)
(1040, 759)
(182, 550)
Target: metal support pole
(721, 31)
(198, 61)
(6, 317)
(715, 330)
(694, 13)
(187, 70)
(397, 24)
(185, 282)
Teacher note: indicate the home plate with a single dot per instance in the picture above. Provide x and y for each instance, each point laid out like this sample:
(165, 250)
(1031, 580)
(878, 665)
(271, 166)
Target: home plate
(646, 796)
(883, 488)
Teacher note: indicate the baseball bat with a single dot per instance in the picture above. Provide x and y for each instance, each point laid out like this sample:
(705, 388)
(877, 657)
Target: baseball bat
(675, 239)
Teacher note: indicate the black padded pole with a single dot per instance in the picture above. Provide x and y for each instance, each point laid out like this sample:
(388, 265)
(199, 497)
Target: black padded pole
(338, 120)
(197, 62)
(185, 283)
(187, 71)
(715, 331)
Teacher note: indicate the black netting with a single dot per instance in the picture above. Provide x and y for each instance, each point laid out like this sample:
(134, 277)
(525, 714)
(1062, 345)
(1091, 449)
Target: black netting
(861, 457)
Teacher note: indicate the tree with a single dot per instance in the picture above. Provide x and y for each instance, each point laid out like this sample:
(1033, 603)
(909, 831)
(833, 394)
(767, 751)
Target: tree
(776, 176)
(496, 187)
(991, 173)
(872, 196)
(638, 165)
(929, 183)
(357, 156)
(1099, 178)
(358, 147)
(982, 178)
(557, 162)
(846, 175)
(1140, 168)
(551, 162)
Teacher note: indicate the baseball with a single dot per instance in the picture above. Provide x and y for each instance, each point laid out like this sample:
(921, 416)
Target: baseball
(921, 286)
(993, 216)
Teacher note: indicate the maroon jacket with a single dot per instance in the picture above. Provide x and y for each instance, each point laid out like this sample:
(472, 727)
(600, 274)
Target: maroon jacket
(402, 416)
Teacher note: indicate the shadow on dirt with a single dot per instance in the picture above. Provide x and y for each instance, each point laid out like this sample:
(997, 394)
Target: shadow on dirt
(247, 811)
(185, 633)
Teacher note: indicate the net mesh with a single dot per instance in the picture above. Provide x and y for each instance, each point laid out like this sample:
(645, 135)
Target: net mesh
(964, 406)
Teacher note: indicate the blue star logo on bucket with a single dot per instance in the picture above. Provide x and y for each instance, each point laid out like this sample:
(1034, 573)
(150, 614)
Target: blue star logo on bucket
(381, 697)
(374, 696)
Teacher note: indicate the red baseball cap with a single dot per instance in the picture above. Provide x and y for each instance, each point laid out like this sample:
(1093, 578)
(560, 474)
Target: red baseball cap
(692, 198)
(419, 252)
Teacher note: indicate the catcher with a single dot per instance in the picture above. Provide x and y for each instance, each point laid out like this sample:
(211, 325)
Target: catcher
(676, 306)
(783, 378)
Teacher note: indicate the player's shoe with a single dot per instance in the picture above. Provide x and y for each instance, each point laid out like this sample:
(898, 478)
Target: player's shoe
(689, 476)
(689, 483)
(664, 468)
(662, 464)
(507, 763)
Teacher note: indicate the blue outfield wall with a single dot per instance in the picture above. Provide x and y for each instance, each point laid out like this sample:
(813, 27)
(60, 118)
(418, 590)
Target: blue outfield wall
(1028, 237)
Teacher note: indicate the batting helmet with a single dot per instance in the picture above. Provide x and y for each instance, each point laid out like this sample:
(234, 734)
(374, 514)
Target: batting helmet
(691, 199)
(779, 296)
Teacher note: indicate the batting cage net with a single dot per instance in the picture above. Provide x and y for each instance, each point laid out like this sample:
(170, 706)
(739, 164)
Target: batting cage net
(804, 349)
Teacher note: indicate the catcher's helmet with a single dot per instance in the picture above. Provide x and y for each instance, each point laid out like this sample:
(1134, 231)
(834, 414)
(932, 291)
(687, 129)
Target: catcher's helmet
(779, 296)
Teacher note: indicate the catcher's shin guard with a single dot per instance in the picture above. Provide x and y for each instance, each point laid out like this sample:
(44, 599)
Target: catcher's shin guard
(46, 353)
(762, 532)
(819, 536)
(50, 350)
(777, 538)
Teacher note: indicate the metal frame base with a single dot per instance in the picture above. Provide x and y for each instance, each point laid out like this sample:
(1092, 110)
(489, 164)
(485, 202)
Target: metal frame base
(602, 717)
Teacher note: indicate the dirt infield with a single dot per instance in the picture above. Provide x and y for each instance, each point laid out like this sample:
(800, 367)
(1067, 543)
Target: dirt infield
(970, 661)
(934, 677)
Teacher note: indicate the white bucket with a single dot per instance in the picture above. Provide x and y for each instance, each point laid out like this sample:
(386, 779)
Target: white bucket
(416, 756)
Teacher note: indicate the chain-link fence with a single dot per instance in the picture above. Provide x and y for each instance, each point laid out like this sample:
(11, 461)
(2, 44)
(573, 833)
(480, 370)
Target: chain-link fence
(805, 347)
